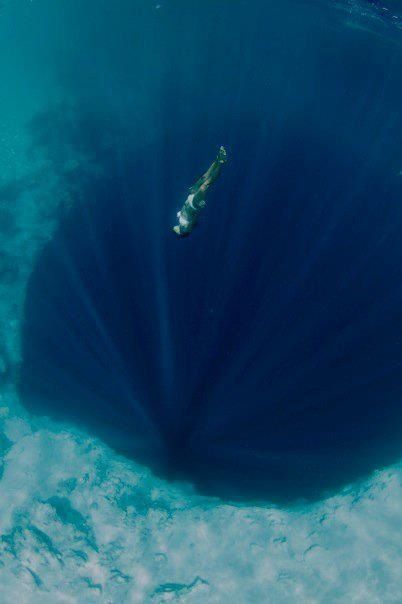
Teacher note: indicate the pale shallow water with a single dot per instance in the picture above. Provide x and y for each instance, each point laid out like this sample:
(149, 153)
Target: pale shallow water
(80, 524)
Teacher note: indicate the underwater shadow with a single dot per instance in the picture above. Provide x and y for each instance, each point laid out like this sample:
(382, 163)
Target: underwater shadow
(260, 358)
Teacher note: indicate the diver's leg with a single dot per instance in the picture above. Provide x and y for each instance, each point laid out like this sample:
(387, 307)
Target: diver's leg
(213, 171)
(215, 168)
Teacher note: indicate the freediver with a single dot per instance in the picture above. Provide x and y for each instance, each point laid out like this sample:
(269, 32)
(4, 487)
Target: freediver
(195, 202)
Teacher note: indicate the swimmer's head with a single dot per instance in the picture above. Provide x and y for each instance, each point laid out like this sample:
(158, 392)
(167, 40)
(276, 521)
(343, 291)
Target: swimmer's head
(176, 229)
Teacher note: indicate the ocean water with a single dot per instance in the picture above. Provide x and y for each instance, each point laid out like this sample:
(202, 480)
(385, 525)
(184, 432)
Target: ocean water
(216, 418)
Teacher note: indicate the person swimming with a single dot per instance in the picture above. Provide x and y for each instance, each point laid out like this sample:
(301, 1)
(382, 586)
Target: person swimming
(195, 202)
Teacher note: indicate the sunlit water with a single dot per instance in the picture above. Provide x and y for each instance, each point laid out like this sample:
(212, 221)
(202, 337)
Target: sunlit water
(224, 414)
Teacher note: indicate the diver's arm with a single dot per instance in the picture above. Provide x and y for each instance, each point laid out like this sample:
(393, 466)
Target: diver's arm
(198, 200)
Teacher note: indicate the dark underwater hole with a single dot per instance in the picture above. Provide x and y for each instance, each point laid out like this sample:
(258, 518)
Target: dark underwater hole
(260, 357)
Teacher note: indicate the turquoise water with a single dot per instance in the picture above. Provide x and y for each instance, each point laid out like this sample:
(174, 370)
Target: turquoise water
(213, 419)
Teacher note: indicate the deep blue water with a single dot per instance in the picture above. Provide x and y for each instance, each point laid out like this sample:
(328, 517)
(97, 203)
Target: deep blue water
(261, 356)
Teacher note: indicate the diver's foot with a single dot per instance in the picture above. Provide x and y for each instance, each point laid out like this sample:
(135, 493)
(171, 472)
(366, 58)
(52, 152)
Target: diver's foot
(222, 155)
